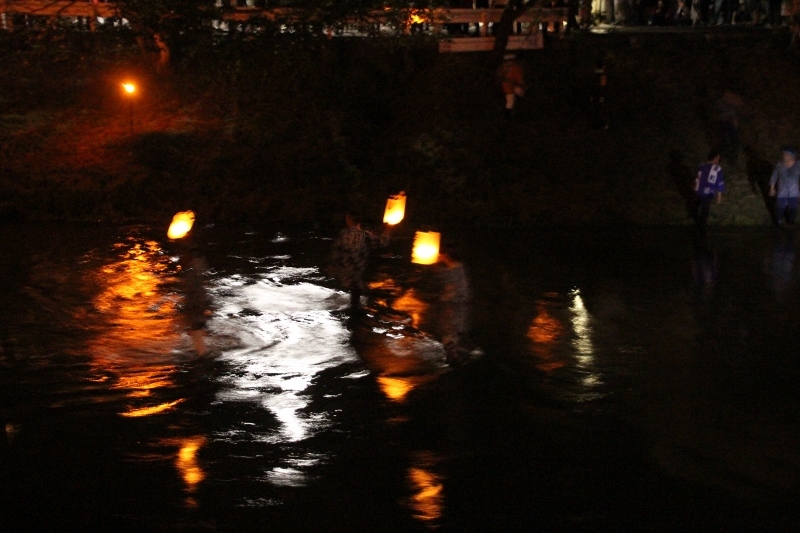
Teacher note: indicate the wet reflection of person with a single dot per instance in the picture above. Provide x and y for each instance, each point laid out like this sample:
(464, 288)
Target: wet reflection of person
(705, 268)
(351, 250)
(455, 298)
(598, 97)
(781, 264)
(196, 304)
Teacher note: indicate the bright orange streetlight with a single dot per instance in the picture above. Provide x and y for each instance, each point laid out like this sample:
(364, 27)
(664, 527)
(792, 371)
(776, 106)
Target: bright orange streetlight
(130, 90)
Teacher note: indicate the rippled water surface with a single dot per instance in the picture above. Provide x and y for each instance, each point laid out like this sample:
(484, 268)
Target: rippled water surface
(629, 380)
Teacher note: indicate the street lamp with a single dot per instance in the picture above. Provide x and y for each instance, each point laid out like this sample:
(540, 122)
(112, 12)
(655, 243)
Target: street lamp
(130, 90)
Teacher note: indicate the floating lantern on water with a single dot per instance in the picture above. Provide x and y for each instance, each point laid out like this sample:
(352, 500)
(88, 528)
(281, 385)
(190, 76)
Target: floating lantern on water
(181, 225)
(395, 208)
(426, 247)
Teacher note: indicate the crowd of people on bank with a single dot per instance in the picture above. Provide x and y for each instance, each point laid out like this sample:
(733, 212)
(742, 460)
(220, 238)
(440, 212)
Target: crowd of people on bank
(771, 13)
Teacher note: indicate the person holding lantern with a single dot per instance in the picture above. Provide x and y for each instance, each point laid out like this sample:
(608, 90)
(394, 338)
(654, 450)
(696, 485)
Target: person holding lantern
(192, 268)
(351, 251)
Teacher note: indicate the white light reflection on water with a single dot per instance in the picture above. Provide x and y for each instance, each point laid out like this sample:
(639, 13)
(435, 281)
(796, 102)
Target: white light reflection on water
(582, 341)
(285, 336)
(562, 340)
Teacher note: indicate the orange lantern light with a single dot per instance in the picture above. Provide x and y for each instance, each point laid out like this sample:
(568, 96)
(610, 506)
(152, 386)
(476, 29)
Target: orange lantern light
(181, 225)
(129, 88)
(416, 16)
(426, 247)
(395, 208)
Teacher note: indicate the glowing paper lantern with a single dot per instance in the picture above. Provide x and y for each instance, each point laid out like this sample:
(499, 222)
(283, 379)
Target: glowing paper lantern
(181, 225)
(129, 88)
(426, 247)
(395, 208)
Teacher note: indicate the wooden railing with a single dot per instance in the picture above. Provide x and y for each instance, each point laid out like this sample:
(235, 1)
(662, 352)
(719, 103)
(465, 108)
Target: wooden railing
(58, 8)
(526, 29)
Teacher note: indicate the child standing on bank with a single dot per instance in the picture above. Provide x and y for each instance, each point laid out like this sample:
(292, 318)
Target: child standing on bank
(708, 185)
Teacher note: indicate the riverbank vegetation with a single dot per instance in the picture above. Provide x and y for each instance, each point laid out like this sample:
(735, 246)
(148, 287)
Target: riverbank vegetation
(287, 128)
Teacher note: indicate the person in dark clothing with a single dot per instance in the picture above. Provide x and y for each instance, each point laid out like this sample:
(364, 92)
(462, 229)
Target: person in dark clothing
(597, 98)
(728, 109)
(784, 185)
(511, 78)
(455, 299)
(660, 15)
(682, 16)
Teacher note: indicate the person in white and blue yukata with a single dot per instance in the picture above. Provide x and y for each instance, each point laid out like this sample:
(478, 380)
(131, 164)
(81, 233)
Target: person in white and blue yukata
(708, 185)
(784, 185)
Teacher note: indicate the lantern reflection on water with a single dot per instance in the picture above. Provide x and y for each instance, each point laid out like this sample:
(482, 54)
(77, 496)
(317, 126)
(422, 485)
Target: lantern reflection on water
(426, 247)
(181, 224)
(187, 462)
(395, 208)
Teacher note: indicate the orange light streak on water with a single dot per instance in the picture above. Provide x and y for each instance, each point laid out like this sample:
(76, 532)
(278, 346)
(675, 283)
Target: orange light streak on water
(411, 304)
(187, 463)
(544, 332)
(154, 410)
(135, 325)
(427, 501)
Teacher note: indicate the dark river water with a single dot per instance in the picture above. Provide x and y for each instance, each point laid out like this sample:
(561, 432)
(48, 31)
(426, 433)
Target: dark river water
(630, 380)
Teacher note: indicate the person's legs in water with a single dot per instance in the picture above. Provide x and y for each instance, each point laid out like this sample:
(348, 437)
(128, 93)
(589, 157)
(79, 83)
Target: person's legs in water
(701, 209)
(791, 210)
(781, 205)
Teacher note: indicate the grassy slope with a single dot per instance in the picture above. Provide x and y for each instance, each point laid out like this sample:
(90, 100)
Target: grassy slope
(299, 132)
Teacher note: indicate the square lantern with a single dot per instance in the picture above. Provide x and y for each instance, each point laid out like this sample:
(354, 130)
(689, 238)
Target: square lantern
(395, 209)
(426, 247)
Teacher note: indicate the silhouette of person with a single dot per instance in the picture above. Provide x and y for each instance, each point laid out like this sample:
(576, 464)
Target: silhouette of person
(196, 304)
(455, 299)
(512, 82)
(784, 185)
(351, 251)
